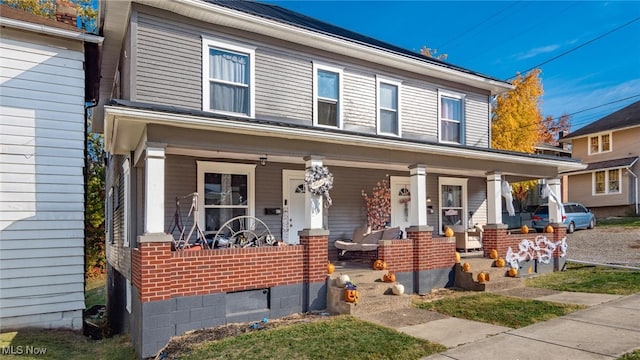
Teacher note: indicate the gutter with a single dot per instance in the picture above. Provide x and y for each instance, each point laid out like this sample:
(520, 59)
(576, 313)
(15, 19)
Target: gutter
(49, 30)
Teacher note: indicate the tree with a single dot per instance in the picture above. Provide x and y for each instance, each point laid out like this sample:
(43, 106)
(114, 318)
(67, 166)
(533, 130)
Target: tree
(94, 241)
(516, 119)
(552, 128)
(86, 14)
(433, 53)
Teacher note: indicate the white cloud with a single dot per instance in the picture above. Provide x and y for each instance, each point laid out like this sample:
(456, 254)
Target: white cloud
(537, 51)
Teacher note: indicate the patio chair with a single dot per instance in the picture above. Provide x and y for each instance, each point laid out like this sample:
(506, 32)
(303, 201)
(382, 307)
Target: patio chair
(362, 240)
(469, 239)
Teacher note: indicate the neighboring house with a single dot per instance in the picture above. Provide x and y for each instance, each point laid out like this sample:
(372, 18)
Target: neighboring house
(609, 148)
(48, 70)
(232, 101)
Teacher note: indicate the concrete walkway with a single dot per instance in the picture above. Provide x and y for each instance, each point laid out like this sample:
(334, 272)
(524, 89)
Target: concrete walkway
(609, 328)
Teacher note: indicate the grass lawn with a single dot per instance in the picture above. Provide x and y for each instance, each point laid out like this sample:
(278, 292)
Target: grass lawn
(588, 278)
(64, 345)
(499, 310)
(620, 221)
(340, 337)
(631, 356)
(95, 291)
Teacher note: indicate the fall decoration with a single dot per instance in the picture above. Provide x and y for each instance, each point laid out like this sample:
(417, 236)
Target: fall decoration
(379, 265)
(351, 293)
(342, 280)
(378, 205)
(493, 254)
(397, 289)
(513, 272)
(466, 267)
(524, 229)
(483, 277)
(448, 232)
(389, 277)
(330, 268)
(500, 262)
(318, 181)
(549, 229)
(457, 257)
(541, 249)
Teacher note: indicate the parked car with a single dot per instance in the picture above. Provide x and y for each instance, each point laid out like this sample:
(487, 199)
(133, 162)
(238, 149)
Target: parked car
(575, 216)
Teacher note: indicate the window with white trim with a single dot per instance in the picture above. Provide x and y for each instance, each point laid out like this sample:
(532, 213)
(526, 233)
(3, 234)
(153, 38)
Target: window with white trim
(225, 191)
(606, 182)
(327, 96)
(451, 117)
(599, 143)
(388, 106)
(452, 202)
(228, 78)
(126, 179)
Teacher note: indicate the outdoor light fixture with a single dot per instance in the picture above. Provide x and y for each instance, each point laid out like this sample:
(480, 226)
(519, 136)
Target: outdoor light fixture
(428, 199)
(263, 160)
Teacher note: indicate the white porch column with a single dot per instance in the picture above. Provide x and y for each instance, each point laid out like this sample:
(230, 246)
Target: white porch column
(154, 190)
(494, 198)
(418, 203)
(555, 214)
(313, 204)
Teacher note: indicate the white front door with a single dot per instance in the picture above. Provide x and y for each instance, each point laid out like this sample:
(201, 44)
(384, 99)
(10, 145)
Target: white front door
(400, 202)
(292, 205)
(453, 203)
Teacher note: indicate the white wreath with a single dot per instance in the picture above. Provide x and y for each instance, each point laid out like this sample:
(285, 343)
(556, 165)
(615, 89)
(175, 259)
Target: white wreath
(318, 181)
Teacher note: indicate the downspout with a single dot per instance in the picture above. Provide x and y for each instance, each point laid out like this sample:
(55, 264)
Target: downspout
(635, 189)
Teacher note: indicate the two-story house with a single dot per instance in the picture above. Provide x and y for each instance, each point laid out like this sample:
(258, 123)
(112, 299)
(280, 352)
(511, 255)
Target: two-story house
(609, 184)
(48, 71)
(223, 105)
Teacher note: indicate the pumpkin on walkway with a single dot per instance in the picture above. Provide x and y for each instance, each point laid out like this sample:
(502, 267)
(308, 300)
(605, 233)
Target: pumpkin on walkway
(466, 267)
(389, 277)
(513, 272)
(493, 254)
(457, 257)
(501, 262)
(330, 268)
(483, 277)
(379, 265)
(397, 289)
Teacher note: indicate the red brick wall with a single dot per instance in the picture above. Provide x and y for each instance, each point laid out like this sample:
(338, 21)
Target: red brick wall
(316, 255)
(398, 254)
(160, 274)
(419, 252)
(442, 254)
(500, 240)
(421, 249)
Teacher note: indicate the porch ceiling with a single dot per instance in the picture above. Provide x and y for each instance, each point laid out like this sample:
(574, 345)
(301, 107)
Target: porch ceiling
(213, 137)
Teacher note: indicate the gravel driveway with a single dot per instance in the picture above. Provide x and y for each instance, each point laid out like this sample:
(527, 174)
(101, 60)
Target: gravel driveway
(606, 245)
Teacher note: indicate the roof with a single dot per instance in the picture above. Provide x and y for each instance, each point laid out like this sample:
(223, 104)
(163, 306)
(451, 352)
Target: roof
(549, 147)
(16, 14)
(623, 118)
(609, 164)
(280, 14)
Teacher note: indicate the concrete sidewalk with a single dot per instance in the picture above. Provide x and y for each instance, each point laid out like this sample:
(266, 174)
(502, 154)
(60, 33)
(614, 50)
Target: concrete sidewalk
(609, 328)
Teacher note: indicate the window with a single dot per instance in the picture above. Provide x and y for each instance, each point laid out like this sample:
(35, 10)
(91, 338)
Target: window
(327, 94)
(388, 106)
(125, 201)
(224, 192)
(451, 114)
(606, 182)
(453, 202)
(228, 72)
(599, 143)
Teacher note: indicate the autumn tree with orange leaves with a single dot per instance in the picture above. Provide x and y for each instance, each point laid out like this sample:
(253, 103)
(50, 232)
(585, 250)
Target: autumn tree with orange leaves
(552, 128)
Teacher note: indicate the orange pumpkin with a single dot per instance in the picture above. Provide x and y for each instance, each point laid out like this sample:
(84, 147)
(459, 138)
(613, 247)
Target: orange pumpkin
(351, 296)
(389, 277)
(330, 268)
(448, 232)
(493, 254)
(466, 267)
(513, 272)
(457, 257)
(483, 277)
(524, 229)
(500, 262)
(549, 229)
(379, 265)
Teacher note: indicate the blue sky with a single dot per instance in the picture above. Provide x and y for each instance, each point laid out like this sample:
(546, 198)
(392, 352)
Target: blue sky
(500, 38)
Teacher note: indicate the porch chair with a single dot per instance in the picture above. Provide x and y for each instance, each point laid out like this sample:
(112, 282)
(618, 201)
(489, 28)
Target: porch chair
(362, 240)
(469, 239)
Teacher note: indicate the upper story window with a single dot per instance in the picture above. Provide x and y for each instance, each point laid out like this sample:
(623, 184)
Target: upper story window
(228, 72)
(606, 182)
(599, 143)
(451, 117)
(388, 106)
(327, 96)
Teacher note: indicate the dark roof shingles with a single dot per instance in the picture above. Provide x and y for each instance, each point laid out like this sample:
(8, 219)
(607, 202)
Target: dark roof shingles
(625, 117)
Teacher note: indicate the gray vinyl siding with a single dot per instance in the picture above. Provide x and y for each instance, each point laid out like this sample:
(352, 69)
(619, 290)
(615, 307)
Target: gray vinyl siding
(41, 181)
(477, 200)
(117, 254)
(359, 101)
(284, 88)
(419, 110)
(168, 62)
(477, 120)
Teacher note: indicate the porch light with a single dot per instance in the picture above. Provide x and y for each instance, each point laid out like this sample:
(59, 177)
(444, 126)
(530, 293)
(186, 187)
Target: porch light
(263, 160)
(428, 199)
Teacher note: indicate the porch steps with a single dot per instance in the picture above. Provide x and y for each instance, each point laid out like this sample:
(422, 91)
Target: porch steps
(498, 279)
(375, 295)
